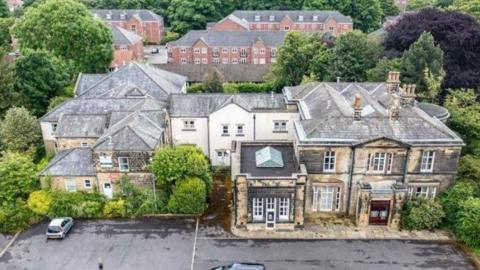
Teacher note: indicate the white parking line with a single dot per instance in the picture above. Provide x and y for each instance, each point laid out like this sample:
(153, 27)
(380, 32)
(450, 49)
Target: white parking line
(194, 246)
(9, 244)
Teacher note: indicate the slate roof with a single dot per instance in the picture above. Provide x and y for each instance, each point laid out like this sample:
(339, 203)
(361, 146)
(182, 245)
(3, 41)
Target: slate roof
(85, 81)
(124, 37)
(248, 160)
(231, 73)
(323, 15)
(220, 38)
(201, 105)
(327, 116)
(141, 14)
(71, 162)
(152, 81)
(81, 126)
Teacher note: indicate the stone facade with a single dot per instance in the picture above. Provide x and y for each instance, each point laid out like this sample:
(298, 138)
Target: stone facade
(81, 183)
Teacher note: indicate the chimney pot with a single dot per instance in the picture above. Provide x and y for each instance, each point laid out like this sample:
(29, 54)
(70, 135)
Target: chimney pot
(393, 81)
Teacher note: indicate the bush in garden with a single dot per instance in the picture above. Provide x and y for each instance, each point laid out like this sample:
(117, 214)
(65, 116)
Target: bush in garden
(63, 205)
(468, 223)
(195, 88)
(420, 214)
(39, 202)
(14, 216)
(452, 199)
(76, 204)
(188, 197)
(114, 208)
(90, 209)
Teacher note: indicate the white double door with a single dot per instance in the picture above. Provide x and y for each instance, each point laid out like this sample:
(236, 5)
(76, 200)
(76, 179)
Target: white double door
(270, 212)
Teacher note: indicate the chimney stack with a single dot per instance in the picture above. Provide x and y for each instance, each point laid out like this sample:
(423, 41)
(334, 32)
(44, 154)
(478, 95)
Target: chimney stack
(407, 97)
(394, 107)
(357, 108)
(393, 81)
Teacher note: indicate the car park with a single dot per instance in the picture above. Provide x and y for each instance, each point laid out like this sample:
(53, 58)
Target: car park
(59, 227)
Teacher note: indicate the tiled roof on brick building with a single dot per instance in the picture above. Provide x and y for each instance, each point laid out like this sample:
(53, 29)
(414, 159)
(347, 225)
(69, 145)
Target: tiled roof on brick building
(228, 38)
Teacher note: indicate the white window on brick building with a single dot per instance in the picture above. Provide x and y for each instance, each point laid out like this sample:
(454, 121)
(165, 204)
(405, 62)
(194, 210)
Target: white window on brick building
(379, 160)
(422, 191)
(234, 61)
(87, 183)
(196, 50)
(331, 29)
(183, 60)
(216, 52)
(234, 50)
(326, 198)
(216, 60)
(204, 61)
(257, 18)
(133, 28)
(224, 60)
(255, 50)
(224, 50)
(329, 161)
(183, 50)
(204, 50)
(197, 61)
(262, 50)
(273, 52)
(243, 52)
(123, 164)
(427, 161)
(243, 60)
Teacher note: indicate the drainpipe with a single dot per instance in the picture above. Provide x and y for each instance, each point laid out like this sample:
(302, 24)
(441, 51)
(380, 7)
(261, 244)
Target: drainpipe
(208, 137)
(405, 166)
(254, 127)
(350, 180)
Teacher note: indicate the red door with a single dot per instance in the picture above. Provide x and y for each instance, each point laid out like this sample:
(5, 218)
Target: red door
(379, 211)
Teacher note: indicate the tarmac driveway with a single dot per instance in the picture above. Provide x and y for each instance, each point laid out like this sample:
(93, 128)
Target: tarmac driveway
(169, 244)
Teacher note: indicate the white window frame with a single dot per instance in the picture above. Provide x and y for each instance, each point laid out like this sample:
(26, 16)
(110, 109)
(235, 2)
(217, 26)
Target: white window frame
(428, 159)
(183, 50)
(257, 18)
(226, 128)
(234, 61)
(105, 161)
(280, 125)
(315, 199)
(327, 198)
(70, 185)
(204, 50)
(224, 60)
(390, 162)
(257, 209)
(222, 153)
(283, 209)
(188, 124)
(133, 28)
(262, 50)
(234, 50)
(183, 60)
(240, 129)
(216, 60)
(196, 50)
(122, 163)
(379, 162)
(300, 18)
(331, 29)
(329, 160)
(204, 61)
(89, 185)
(84, 144)
(425, 192)
(271, 18)
(225, 50)
(315, 18)
(197, 61)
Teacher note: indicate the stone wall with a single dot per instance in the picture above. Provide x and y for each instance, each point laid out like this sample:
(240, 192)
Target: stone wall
(58, 182)
(69, 143)
(138, 161)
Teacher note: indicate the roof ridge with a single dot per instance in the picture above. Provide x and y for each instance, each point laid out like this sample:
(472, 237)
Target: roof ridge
(138, 135)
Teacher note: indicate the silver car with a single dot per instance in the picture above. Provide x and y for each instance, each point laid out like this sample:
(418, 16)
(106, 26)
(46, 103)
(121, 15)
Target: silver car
(59, 227)
(241, 266)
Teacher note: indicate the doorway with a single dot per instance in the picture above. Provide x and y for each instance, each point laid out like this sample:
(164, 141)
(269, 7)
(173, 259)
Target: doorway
(107, 190)
(379, 212)
(270, 213)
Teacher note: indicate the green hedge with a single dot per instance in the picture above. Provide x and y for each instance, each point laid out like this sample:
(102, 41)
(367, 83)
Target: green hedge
(452, 199)
(15, 216)
(235, 88)
(468, 223)
(188, 197)
(421, 214)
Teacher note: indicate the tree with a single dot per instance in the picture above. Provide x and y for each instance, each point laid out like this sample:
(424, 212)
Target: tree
(433, 84)
(457, 34)
(39, 76)
(388, 8)
(419, 4)
(468, 224)
(70, 32)
(5, 37)
(55, 101)
(380, 72)
(20, 131)
(470, 7)
(4, 9)
(422, 55)
(6, 85)
(421, 214)
(213, 82)
(185, 15)
(172, 164)
(17, 176)
(188, 197)
(469, 168)
(353, 54)
(453, 198)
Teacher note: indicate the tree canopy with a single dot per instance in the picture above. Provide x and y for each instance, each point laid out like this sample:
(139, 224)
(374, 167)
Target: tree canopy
(353, 55)
(4, 9)
(213, 82)
(69, 31)
(17, 177)
(192, 14)
(39, 76)
(6, 85)
(5, 37)
(457, 34)
(20, 131)
(471, 7)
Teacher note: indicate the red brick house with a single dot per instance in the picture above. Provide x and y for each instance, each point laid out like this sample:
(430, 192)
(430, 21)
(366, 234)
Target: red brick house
(128, 47)
(143, 22)
(214, 47)
(332, 21)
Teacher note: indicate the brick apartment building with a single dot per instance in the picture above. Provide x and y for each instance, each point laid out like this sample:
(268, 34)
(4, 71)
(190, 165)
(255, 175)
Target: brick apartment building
(333, 22)
(128, 47)
(143, 22)
(215, 47)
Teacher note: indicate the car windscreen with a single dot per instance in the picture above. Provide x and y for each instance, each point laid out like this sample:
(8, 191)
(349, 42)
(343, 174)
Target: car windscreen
(53, 229)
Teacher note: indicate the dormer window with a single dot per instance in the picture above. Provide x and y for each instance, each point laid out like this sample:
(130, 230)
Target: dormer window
(300, 18)
(315, 18)
(271, 18)
(105, 161)
(257, 18)
(122, 16)
(109, 16)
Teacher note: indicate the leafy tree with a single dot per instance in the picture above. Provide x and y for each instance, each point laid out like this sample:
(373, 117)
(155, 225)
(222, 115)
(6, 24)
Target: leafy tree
(213, 82)
(4, 9)
(419, 4)
(55, 101)
(469, 168)
(453, 198)
(172, 164)
(422, 55)
(421, 214)
(188, 197)
(39, 76)
(380, 72)
(39, 201)
(468, 224)
(353, 55)
(5, 37)
(471, 7)
(389, 8)
(114, 208)
(70, 31)
(433, 84)
(17, 176)
(170, 36)
(185, 15)
(457, 34)
(20, 131)
(14, 216)
(6, 85)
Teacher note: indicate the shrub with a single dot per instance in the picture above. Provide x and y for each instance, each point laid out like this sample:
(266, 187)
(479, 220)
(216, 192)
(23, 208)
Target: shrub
(17, 176)
(39, 202)
(90, 209)
(170, 36)
(453, 198)
(14, 216)
(188, 197)
(420, 214)
(195, 88)
(76, 204)
(468, 224)
(114, 208)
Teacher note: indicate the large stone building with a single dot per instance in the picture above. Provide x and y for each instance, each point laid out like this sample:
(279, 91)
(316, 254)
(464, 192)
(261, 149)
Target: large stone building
(322, 21)
(143, 22)
(128, 47)
(213, 47)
